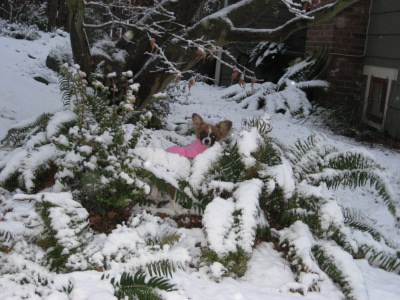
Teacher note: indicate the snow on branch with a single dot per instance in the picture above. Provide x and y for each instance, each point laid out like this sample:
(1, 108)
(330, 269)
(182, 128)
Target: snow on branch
(227, 20)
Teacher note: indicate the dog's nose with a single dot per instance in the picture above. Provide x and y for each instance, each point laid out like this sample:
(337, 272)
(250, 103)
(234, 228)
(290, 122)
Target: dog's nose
(207, 141)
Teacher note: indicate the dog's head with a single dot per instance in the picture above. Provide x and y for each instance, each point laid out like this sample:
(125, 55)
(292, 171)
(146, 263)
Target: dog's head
(209, 134)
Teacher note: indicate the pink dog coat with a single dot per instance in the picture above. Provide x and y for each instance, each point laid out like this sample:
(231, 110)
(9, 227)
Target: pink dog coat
(189, 151)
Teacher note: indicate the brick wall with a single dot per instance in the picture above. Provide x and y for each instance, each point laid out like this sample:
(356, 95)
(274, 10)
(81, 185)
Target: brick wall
(344, 37)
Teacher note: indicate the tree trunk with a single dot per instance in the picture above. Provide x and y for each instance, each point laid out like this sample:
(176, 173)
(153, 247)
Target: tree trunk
(52, 14)
(79, 42)
(62, 15)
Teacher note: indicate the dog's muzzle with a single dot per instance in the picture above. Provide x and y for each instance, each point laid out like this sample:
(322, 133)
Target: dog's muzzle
(207, 142)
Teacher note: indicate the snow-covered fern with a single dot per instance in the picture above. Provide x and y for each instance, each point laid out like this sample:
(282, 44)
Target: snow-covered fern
(287, 96)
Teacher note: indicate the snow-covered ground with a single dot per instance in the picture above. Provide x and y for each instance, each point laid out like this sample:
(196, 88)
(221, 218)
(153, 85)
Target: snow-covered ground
(22, 97)
(268, 275)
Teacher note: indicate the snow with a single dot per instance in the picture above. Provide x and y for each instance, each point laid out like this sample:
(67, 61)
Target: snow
(21, 96)
(218, 221)
(249, 143)
(202, 163)
(58, 119)
(299, 236)
(350, 270)
(269, 276)
(283, 175)
(246, 197)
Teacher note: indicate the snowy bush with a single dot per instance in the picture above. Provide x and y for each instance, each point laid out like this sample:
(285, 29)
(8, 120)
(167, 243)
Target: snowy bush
(27, 12)
(66, 231)
(146, 243)
(255, 189)
(58, 239)
(91, 141)
(33, 155)
(287, 95)
(98, 163)
(19, 31)
(58, 56)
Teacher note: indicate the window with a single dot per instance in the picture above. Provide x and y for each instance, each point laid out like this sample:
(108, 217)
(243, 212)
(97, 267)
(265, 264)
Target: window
(377, 94)
(377, 99)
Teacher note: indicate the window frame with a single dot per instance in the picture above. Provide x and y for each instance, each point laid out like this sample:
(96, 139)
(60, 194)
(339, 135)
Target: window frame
(384, 76)
(378, 119)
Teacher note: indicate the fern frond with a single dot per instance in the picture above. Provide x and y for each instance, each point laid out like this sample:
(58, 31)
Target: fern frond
(262, 126)
(349, 160)
(383, 260)
(48, 240)
(230, 167)
(168, 189)
(341, 239)
(136, 286)
(65, 82)
(318, 161)
(181, 197)
(272, 202)
(58, 247)
(168, 239)
(6, 241)
(268, 154)
(355, 219)
(327, 264)
(308, 156)
(300, 208)
(357, 178)
(311, 68)
(234, 262)
(161, 268)
(17, 135)
(289, 216)
(12, 182)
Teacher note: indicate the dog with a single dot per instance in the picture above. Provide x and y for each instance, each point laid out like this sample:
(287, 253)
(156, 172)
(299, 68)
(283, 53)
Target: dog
(209, 134)
(206, 135)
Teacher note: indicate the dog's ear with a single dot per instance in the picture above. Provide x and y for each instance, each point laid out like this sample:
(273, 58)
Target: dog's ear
(224, 128)
(197, 122)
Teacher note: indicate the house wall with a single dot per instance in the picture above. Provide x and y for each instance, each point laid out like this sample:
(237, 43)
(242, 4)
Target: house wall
(344, 37)
(383, 50)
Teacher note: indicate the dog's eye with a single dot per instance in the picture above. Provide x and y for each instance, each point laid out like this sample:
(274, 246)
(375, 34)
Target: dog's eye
(213, 136)
(203, 135)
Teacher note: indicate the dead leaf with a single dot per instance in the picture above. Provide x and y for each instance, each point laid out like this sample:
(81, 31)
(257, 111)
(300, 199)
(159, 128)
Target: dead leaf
(242, 82)
(153, 44)
(201, 52)
(191, 83)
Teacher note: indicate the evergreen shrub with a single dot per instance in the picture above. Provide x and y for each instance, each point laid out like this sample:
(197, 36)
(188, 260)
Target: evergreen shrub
(99, 161)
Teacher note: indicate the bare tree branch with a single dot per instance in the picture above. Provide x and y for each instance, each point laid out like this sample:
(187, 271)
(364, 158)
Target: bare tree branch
(183, 11)
(221, 28)
(161, 42)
